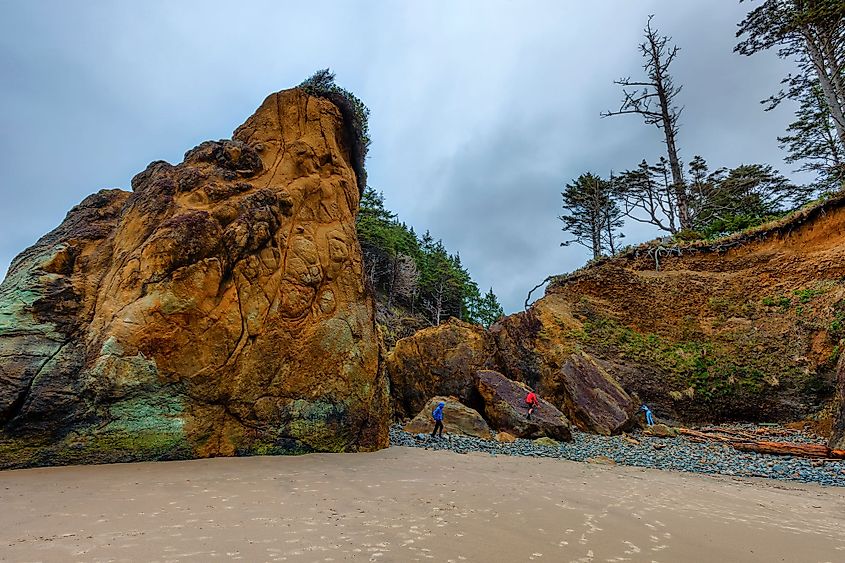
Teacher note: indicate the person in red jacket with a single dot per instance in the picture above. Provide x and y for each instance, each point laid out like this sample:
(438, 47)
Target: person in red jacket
(533, 402)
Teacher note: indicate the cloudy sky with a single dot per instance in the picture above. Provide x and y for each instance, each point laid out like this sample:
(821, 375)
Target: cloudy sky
(480, 110)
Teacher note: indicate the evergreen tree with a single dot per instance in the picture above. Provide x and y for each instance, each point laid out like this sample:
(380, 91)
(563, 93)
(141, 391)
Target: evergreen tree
(592, 216)
(489, 309)
(812, 33)
(813, 142)
(647, 196)
(418, 273)
(725, 201)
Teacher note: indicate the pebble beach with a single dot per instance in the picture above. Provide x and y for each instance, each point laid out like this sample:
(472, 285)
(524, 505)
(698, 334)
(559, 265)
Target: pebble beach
(675, 454)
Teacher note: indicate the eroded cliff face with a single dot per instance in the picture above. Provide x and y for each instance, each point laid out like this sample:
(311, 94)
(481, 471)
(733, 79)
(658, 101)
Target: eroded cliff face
(747, 328)
(218, 309)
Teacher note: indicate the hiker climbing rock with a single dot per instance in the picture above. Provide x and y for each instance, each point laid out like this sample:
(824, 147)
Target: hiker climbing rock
(649, 419)
(532, 402)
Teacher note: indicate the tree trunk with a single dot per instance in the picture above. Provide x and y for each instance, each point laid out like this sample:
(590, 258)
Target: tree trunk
(596, 236)
(834, 102)
(678, 186)
(669, 130)
(394, 265)
(610, 244)
(438, 304)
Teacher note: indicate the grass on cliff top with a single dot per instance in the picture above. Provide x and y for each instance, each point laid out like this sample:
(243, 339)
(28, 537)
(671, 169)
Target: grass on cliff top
(678, 243)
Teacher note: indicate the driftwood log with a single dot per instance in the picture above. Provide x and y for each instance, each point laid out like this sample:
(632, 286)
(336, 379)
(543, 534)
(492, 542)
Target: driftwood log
(747, 442)
(790, 448)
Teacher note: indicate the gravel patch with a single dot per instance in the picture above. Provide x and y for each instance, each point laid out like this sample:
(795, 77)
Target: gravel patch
(677, 454)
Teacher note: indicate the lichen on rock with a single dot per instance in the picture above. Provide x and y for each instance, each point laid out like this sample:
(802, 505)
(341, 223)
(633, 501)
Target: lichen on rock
(217, 309)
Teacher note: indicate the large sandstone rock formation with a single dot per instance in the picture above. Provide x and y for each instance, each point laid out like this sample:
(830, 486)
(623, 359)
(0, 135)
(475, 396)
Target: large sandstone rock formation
(217, 309)
(440, 360)
(445, 360)
(593, 397)
(746, 328)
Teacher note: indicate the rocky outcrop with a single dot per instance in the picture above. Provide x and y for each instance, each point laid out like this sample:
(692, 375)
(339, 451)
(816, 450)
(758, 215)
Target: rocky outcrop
(440, 360)
(592, 398)
(745, 328)
(505, 409)
(457, 419)
(742, 329)
(444, 359)
(217, 309)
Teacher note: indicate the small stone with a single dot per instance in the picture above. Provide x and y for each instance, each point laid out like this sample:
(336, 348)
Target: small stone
(630, 440)
(661, 431)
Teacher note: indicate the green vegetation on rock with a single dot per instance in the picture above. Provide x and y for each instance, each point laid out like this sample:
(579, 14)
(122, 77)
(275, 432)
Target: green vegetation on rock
(709, 373)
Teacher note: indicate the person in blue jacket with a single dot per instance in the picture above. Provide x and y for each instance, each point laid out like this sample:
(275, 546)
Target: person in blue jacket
(649, 419)
(437, 413)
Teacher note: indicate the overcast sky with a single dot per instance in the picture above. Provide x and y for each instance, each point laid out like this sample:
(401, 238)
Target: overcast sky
(480, 111)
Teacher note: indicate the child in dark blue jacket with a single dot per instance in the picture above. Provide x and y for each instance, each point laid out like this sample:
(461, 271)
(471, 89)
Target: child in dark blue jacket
(437, 413)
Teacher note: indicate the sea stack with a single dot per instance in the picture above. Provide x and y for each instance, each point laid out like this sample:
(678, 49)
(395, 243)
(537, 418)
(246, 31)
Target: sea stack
(216, 309)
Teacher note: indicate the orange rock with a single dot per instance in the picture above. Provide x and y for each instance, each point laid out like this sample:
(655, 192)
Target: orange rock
(457, 419)
(505, 437)
(440, 360)
(218, 309)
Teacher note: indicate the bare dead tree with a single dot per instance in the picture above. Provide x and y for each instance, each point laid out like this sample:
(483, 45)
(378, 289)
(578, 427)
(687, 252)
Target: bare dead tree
(405, 279)
(654, 100)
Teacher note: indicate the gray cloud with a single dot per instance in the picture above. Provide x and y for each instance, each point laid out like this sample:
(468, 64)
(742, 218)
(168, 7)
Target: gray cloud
(481, 111)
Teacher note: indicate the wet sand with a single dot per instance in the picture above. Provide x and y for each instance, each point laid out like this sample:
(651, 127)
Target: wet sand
(405, 504)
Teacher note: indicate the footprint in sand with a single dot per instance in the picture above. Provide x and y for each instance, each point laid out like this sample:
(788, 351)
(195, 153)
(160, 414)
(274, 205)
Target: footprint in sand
(632, 549)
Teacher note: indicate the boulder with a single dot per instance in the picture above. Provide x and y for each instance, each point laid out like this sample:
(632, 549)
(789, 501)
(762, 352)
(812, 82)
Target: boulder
(546, 442)
(505, 438)
(217, 309)
(505, 410)
(592, 398)
(661, 431)
(457, 419)
(441, 360)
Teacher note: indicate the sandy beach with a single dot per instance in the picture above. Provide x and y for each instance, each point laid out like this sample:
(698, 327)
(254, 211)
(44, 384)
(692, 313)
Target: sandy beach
(404, 504)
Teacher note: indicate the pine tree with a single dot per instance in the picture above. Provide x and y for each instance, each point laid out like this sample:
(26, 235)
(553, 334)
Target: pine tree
(726, 201)
(489, 310)
(592, 217)
(812, 33)
(646, 195)
(812, 141)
